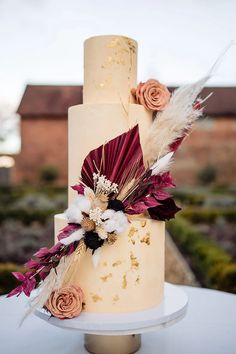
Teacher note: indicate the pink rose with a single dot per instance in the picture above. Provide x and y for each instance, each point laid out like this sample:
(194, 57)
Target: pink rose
(152, 95)
(66, 302)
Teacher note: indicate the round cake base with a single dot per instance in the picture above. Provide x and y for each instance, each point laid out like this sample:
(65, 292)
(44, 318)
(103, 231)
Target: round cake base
(120, 333)
(97, 344)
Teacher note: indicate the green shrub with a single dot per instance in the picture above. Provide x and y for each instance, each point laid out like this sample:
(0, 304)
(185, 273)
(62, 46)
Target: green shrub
(7, 280)
(25, 215)
(49, 174)
(213, 265)
(208, 215)
(207, 175)
(189, 198)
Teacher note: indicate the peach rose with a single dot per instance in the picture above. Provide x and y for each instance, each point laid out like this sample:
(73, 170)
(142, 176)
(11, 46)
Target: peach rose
(152, 95)
(66, 302)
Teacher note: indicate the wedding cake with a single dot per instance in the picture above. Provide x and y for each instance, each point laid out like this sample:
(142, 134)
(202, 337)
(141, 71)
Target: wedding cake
(130, 273)
(109, 247)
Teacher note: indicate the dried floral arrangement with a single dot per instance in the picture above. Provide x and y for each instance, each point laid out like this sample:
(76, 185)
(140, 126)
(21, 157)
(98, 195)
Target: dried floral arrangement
(117, 180)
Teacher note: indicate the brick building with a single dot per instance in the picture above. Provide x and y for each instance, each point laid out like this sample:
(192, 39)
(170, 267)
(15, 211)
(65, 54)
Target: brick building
(43, 112)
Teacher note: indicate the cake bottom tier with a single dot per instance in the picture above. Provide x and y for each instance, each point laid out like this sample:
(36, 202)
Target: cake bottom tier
(130, 274)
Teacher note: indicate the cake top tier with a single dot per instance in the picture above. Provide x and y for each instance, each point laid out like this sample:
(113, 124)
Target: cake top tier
(110, 69)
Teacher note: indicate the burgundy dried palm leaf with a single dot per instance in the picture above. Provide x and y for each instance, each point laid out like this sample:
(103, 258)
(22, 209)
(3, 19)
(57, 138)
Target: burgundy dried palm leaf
(120, 160)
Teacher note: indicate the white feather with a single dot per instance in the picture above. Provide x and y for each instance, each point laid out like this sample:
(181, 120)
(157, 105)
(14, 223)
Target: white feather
(173, 122)
(50, 283)
(177, 117)
(162, 165)
(96, 257)
(75, 236)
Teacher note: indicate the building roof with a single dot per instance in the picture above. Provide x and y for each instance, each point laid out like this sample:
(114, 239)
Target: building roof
(49, 100)
(54, 100)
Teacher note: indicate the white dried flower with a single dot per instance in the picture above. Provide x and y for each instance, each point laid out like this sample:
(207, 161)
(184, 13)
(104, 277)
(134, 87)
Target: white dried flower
(96, 215)
(101, 232)
(108, 214)
(83, 203)
(104, 185)
(110, 225)
(115, 221)
(73, 214)
(89, 194)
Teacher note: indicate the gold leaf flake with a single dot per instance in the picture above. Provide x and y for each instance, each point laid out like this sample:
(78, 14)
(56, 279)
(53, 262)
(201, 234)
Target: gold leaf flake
(104, 264)
(124, 282)
(134, 261)
(146, 239)
(117, 263)
(106, 277)
(96, 298)
(143, 223)
(113, 43)
(116, 298)
(80, 249)
(132, 231)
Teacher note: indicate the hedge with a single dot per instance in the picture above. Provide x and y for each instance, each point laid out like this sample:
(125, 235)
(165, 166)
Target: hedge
(214, 267)
(25, 215)
(208, 215)
(7, 281)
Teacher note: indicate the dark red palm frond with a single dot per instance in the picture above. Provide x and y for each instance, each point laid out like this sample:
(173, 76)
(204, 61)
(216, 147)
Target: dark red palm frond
(120, 160)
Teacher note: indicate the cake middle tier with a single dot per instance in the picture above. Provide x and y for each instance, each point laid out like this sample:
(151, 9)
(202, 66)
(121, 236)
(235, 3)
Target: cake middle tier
(91, 125)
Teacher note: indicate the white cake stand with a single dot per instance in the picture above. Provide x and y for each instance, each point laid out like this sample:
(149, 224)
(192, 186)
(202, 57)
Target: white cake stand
(121, 333)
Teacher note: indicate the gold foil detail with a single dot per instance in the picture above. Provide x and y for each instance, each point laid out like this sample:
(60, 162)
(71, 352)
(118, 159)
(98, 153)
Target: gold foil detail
(131, 45)
(106, 277)
(113, 43)
(143, 223)
(96, 298)
(146, 239)
(106, 82)
(117, 263)
(134, 261)
(80, 249)
(104, 264)
(124, 282)
(132, 231)
(116, 298)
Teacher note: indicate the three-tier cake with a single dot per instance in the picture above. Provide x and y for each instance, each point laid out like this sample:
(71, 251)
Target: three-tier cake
(130, 273)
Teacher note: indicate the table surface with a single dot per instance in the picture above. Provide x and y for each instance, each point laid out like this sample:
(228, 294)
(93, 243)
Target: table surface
(208, 328)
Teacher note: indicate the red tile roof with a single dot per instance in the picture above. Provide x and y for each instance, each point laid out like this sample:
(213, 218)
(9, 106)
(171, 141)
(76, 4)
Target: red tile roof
(54, 100)
(49, 100)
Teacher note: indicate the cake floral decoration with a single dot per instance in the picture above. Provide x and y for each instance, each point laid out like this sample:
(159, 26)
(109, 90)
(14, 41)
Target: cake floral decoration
(153, 95)
(66, 302)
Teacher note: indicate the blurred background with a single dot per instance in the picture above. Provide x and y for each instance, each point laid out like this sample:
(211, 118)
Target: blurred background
(41, 75)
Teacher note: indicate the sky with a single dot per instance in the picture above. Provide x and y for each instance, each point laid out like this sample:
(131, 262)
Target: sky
(41, 41)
